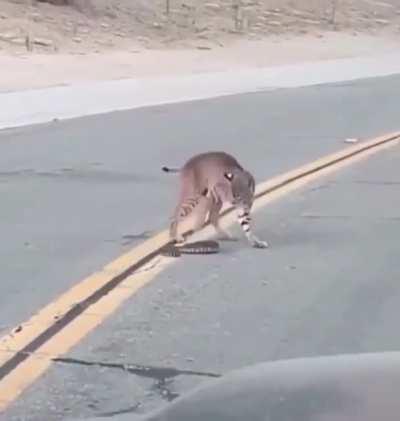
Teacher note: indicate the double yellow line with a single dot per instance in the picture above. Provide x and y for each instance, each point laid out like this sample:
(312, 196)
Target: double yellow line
(27, 351)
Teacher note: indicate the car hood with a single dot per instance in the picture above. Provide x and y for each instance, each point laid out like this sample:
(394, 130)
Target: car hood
(357, 387)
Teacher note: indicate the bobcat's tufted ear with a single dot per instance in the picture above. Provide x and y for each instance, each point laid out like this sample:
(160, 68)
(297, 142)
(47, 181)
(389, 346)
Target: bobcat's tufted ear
(228, 176)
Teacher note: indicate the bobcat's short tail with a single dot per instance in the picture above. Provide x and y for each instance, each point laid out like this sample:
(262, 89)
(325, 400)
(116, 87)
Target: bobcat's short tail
(174, 170)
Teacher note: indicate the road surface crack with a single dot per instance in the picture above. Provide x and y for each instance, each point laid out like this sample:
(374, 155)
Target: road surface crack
(152, 372)
(129, 410)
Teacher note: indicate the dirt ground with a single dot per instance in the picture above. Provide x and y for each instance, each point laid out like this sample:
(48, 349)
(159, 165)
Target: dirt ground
(128, 38)
(99, 25)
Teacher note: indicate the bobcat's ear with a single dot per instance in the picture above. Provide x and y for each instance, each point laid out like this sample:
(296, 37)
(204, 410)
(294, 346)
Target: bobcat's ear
(228, 176)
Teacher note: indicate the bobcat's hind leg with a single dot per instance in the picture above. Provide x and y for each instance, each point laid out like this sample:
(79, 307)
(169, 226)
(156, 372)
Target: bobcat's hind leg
(214, 221)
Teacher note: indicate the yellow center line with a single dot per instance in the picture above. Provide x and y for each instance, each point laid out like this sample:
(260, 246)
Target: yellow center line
(25, 371)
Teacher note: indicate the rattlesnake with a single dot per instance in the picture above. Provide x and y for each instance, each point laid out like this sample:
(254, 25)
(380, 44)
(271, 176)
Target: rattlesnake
(197, 247)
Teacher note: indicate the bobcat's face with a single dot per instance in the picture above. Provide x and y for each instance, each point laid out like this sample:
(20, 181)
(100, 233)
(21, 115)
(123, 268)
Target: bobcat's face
(242, 187)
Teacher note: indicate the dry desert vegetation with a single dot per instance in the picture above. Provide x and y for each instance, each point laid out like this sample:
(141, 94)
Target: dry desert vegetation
(98, 25)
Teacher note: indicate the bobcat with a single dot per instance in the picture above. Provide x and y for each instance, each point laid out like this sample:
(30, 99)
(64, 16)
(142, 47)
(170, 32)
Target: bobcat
(209, 180)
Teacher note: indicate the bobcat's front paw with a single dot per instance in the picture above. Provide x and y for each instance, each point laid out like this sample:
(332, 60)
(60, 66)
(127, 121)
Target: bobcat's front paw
(259, 244)
(256, 242)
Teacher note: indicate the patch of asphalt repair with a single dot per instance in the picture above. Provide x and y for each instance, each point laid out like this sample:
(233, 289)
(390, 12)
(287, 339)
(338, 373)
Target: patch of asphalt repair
(161, 376)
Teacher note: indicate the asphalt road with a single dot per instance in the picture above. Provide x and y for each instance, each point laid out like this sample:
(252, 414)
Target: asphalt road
(328, 284)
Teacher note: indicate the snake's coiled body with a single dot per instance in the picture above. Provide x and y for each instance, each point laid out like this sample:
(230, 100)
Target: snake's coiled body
(198, 247)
